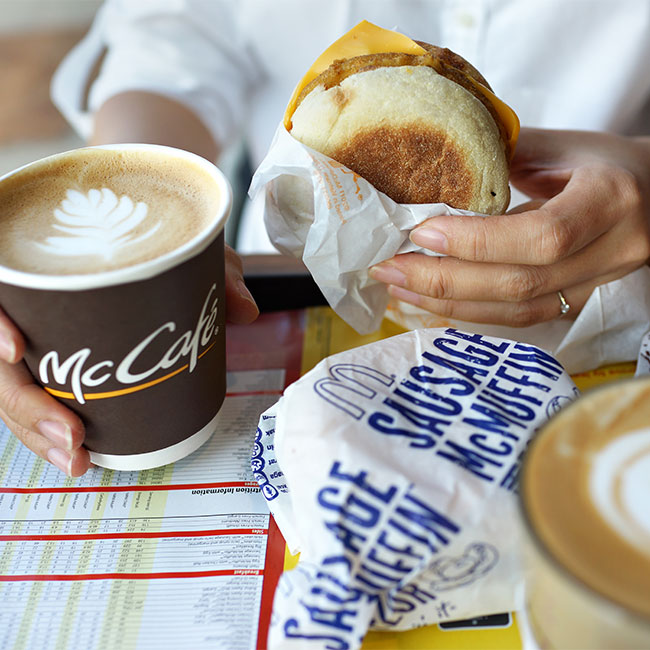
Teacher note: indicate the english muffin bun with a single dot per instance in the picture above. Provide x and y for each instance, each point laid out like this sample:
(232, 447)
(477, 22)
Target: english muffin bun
(417, 127)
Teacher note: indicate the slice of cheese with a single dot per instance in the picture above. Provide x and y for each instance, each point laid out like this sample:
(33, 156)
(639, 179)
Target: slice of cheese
(366, 38)
(507, 115)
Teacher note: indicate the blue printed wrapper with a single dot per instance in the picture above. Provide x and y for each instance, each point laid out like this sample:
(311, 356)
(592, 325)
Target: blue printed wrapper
(393, 470)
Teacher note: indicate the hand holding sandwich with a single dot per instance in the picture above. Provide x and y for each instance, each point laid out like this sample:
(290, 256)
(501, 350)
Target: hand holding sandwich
(588, 224)
(422, 125)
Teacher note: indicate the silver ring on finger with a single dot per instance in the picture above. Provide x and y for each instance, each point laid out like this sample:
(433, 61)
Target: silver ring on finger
(565, 307)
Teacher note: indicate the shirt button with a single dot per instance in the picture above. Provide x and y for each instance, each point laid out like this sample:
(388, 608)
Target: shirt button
(466, 19)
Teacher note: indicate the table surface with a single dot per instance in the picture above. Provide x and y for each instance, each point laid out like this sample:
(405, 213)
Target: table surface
(301, 339)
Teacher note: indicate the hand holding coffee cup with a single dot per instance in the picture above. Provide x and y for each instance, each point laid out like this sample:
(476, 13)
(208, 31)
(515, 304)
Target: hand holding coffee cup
(59, 198)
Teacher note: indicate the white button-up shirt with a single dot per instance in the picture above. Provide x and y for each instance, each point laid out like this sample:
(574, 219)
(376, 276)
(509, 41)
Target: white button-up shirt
(565, 64)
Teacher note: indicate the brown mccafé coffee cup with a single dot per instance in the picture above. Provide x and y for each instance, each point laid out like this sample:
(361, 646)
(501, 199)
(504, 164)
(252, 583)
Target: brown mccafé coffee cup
(112, 266)
(585, 501)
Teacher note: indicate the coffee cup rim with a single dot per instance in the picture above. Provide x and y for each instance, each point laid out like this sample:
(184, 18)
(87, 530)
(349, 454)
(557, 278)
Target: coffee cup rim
(141, 270)
(534, 537)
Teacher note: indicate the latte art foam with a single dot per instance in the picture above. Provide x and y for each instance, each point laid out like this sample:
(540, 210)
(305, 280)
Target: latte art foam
(97, 223)
(96, 210)
(620, 487)
(586, 488)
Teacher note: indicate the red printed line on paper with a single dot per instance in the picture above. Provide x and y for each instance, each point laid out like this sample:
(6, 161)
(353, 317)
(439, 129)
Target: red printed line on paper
(153, 535)
(273, 565)
(131, 576)
(127, 488)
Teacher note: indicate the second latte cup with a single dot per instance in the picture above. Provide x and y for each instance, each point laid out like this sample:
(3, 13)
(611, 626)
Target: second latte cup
(112, 266)
(585, 490)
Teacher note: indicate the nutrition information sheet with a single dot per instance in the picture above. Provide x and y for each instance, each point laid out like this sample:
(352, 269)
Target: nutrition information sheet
(184, 555)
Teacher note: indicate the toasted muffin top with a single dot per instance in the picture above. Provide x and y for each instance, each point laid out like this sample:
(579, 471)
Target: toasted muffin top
(409, 127)
(442, 60)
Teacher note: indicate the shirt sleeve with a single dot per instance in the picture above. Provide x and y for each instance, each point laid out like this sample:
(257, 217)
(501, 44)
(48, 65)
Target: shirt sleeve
(190, 51)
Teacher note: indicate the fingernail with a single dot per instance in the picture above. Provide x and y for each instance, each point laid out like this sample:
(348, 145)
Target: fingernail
(7, 348)
(388, 273)
(57, 432)
(430, 238)
(244, 292)
(60, 459)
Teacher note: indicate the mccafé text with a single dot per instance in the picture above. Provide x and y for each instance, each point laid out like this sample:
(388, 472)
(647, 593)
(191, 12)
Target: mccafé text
(79, 372)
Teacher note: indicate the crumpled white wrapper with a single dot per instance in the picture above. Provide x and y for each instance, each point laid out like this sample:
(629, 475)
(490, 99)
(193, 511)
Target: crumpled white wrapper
(393, 469)
(340, 225)
(643, 360)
